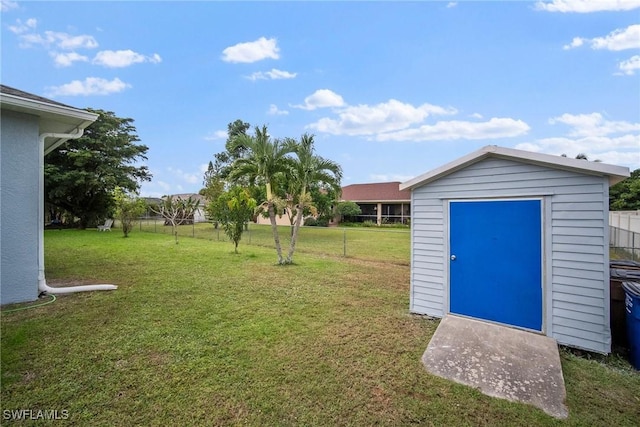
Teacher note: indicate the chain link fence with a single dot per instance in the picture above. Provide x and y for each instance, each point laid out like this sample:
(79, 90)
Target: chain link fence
(624, 243)
(369, 243)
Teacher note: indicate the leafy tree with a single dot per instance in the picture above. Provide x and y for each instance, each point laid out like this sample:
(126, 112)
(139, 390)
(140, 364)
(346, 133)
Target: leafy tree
(233, 151)
(175, 211)
(625, 195)
(308, 169)
(264, 160)
(348, 209)
(128, 209)
(324, 199)
(233, 209)
(82, 174)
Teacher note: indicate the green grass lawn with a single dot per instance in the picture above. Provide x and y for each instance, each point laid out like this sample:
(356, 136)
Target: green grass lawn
(196, 335)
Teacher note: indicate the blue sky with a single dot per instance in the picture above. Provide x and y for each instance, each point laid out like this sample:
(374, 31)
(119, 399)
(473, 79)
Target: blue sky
(390, 89)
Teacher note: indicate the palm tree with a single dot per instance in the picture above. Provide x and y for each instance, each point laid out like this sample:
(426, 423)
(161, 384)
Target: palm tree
(309, 169)
(264, 160)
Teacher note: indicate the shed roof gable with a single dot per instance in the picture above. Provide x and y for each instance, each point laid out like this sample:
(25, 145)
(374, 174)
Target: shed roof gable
(615, 173)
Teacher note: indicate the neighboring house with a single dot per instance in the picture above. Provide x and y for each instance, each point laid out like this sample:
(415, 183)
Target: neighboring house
(199, 214)
(284, 219)
(32, 127)
(381, 202)
(516, 238)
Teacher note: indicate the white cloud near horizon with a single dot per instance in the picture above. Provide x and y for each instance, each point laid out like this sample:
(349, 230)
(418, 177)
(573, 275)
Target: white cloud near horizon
(619, 39)
(88, 86)
(274, 74)
(189, 178)
(630, 66)
(389, 116)
(389, 177)
(123, 58)
(275, 111)
(216, 135)
(254, 51)
(583, 125)
(321, 98)
(452, 4)
(586, 6)
(496, 127)
(615, 142)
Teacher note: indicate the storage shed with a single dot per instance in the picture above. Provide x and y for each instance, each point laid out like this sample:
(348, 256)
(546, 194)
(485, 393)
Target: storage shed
(515, 238)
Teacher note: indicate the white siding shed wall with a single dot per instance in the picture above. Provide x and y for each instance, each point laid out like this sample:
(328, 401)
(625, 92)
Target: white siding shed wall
(575, 238)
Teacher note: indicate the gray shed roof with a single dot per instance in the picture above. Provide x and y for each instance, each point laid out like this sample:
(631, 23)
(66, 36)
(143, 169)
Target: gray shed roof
(615, 173)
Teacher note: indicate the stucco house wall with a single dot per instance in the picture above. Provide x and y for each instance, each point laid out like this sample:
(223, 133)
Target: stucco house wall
(32, 126)
(18, 207)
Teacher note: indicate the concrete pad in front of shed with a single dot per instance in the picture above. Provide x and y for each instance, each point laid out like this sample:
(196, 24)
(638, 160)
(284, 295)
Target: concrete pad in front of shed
(500, 361)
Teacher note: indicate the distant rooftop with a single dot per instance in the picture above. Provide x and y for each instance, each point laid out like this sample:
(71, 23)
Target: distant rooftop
(375, 192)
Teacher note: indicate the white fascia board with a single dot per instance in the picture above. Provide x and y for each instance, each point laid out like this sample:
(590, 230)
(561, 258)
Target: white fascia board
(31, 106)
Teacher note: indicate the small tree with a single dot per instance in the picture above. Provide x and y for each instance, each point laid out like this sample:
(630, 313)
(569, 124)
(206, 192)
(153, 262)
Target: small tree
(175, 211)
(233, 209)
(128, 209)
(348, 209)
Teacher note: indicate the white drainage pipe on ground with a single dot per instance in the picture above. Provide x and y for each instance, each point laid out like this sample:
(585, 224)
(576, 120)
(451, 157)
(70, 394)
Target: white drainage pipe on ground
(42, 283)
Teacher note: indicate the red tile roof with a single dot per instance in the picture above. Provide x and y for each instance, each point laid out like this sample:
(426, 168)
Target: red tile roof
(376, 192)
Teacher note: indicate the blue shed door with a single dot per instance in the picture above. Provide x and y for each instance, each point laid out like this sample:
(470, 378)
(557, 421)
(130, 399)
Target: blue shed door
(495, 266)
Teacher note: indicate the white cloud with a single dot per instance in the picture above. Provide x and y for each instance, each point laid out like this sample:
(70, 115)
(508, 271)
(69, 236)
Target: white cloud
(384, 177)
(90, 86)
(630, 66)
(275, 111)
(258, 50)
(7, 5)
(576, 42)
(619, 39)
(615, 142)
(476, 115)
(123, 58)
(591, 125)
(67, 59)
(389, 116)
(165, 186)
(21, 27)
(452, 4)
(190, 178)
(274, 74)
(455, 129)
(587, 6)
(60, 40)
(321, 98)
(219, 134)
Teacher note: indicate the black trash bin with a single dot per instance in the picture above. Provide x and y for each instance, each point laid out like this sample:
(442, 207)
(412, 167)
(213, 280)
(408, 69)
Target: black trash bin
(620, 271)
(632, 306)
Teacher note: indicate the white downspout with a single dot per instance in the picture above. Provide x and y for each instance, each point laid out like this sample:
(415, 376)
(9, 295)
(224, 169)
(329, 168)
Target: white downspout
(42, 282)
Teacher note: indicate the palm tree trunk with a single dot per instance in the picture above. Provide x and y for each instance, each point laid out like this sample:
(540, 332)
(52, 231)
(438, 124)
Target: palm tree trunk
(274, 229)
(294, 235)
